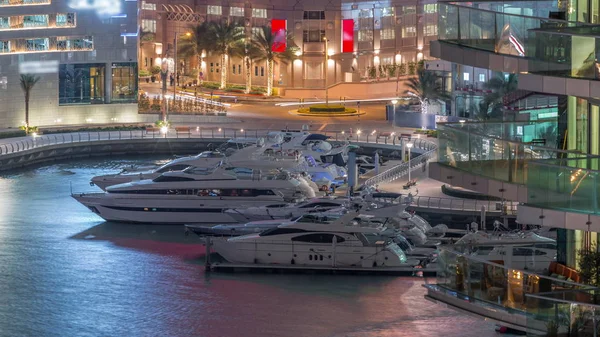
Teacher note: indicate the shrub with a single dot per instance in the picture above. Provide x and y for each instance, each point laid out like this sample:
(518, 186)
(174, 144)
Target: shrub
(210, 114)
(210, 85)
(327, 108)
(144, 73)
(160, 124)
(11, 134)
(155, 70)
(402, 69)
(221, 113)
(261, 90)
(412, 68)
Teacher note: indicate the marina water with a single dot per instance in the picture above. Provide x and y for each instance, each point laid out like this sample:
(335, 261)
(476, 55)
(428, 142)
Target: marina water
(66, 272)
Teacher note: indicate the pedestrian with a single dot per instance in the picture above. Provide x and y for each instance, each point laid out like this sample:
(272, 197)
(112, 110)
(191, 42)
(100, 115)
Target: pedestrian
(172, 80)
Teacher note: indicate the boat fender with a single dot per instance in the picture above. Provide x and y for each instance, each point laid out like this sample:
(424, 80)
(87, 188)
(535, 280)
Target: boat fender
(293, 261)
(255, 261)
(91, 183)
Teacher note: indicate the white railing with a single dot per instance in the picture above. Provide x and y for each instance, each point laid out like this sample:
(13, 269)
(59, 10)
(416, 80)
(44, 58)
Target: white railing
(509, 208)
(401, 170)
(13, 145)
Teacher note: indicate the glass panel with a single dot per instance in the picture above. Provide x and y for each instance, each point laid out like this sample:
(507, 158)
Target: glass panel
(81, 83)
(124, 82)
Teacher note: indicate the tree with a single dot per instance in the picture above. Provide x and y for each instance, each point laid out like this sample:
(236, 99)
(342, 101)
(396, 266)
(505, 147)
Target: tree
(500, 87)
(425, 88)
(198, 43)
(223, 37)
(263, 42)
(247, 52)
(28, 81)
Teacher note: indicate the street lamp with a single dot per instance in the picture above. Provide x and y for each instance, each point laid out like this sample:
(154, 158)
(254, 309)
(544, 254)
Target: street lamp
(326, 68)
(394, 102)
(409, 146)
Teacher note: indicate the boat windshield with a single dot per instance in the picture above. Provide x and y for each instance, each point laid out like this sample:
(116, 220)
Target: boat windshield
(394, 248)
(201, 170)
(323, 219)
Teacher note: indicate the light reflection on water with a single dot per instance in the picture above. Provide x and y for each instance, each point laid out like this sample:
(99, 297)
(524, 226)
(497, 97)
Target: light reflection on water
(63, 271)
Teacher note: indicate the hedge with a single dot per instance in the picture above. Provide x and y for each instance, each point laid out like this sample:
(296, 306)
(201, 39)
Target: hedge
(326, 108)
(11, 134)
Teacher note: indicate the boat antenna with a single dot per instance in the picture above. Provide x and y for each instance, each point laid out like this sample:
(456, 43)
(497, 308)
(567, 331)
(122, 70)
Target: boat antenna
(71, 187)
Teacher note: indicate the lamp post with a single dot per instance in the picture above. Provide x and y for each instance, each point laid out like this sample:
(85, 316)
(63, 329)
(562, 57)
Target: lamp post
(409, 146)
(394, 102)
(326, 68)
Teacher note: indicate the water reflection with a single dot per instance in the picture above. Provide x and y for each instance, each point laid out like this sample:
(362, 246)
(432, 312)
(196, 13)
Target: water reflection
(64, 271)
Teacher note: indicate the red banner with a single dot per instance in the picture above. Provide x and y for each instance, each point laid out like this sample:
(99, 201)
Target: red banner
(347, 36)
(279, 33)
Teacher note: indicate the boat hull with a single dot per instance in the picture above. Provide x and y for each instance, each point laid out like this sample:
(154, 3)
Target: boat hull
(177, 211)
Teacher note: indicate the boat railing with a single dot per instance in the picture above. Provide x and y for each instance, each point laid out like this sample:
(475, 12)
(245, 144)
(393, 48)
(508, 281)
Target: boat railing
(507, 208)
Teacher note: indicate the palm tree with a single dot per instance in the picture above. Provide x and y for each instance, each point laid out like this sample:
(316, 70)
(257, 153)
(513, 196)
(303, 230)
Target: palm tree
(263, 41)
(223, 37)
(501, 86)
(247, 52)
(28, 81)
(197, 44)
(426, 89)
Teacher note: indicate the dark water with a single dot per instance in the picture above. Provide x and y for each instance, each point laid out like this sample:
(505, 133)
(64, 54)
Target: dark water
(65, 272)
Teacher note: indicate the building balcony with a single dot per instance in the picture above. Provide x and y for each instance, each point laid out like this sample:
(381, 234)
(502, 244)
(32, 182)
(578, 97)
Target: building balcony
(518, 161)
(515, 297)
(530, 43)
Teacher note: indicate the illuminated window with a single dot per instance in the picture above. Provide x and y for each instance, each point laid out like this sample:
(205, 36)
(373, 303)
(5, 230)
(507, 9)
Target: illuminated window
(37, 44)
(430, 30)
(236, 11)
(124, 82)
(65, 20)
(409, 31)
(365, 35)
(4, 23)
(256, 31)
(35, 21)
(430, 8)
(148, 6)
(387, 11)
(255, 70)
(388, 34)
(365, 13)
(409, 10)
(23, 2)
(481, 77)
(81, 83)
(4, 46)
(214, 10)
(3, 82)
(149, 26)
(314, 15)
(315, 35)
(259, 13)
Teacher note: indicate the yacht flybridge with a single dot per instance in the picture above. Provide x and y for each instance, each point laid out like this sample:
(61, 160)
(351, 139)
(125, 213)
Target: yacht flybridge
(315, 244)
(195, 195)
(259, 156)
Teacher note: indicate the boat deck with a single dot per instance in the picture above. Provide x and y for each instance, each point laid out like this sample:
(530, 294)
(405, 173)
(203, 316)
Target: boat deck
(270, 268)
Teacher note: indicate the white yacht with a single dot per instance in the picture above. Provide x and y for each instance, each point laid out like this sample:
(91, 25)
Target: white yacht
(195, 195)
(325, 218)
(257, 157)
(315, 244)
(204, 159)
(518, 250)
(289, 210)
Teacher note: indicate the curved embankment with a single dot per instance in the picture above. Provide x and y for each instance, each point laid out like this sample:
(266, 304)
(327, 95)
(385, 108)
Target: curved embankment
(114, 147)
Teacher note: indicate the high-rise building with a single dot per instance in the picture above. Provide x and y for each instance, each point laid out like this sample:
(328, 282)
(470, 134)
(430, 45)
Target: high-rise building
(84, 52)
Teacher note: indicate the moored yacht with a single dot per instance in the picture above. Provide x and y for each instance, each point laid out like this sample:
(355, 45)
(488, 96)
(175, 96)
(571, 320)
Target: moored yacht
(195, 195)
(517, 250)
(204, 159)
(334, 245)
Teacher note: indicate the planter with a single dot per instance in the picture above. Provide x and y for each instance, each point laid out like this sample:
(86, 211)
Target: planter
(153, 78)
